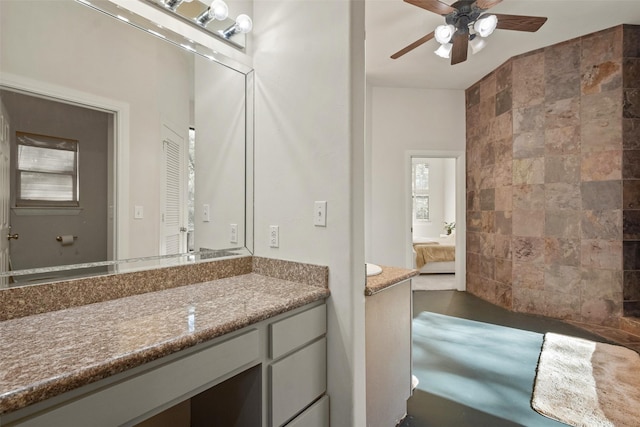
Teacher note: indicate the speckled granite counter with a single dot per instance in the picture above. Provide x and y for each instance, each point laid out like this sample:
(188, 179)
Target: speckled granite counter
(47, 354)
(389, 277)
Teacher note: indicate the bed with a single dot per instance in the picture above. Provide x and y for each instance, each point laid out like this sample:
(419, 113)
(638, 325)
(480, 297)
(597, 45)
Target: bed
(435, 255)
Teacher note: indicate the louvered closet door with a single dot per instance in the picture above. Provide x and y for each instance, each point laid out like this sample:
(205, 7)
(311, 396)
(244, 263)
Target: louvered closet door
(173, 239)
(5, 228)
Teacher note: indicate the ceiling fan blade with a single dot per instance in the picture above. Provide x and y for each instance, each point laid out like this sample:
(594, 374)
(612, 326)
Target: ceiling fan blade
(460, 48)
(434, 6)
(520, 22)
(413, 45)
(487, 4)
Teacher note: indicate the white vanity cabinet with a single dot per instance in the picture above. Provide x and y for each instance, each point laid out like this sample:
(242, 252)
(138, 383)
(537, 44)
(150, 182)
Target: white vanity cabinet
(298, 371)
(388, 315)
(269, 374)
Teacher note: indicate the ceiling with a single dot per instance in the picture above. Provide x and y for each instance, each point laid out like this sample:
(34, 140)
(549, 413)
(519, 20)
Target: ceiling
(393, 24)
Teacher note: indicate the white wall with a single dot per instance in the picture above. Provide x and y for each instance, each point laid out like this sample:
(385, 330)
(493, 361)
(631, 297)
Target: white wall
(309, 124)
(220, 149)
(450, 190)
(404, 121)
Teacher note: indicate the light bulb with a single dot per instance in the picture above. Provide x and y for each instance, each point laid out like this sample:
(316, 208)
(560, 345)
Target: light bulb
(219, 10)
(485, 25)
(244, 23)
(477, 44)
(444, 50)
(444, 33)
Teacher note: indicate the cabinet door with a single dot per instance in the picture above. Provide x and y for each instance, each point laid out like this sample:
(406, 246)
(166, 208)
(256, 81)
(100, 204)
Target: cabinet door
(388, 346)
(298, 380)
(317, 415)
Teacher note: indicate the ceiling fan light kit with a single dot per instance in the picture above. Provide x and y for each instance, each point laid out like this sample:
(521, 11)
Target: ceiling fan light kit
(476, 43)
(444, 51)
(444, 33)
(467, 25)
(485, 25)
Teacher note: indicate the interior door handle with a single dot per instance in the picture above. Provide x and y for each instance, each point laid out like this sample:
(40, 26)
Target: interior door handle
(183, 229)
(13, 236)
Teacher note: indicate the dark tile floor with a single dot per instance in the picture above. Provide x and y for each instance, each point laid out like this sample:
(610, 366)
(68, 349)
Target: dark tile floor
(429, 410)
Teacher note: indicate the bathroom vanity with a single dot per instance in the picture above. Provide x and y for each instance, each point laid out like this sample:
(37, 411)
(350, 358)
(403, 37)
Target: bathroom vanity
(388, 317)
(248, 349)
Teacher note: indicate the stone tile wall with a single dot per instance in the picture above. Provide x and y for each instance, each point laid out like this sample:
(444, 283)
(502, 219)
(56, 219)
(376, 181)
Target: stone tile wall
(631, 170)
(545, 181)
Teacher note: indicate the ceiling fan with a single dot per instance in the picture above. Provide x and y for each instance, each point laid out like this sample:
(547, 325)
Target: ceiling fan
(467, 25)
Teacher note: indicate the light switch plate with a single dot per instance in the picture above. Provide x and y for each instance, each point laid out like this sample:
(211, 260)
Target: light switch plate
(206, 213)
(320, 214)
(138, 212)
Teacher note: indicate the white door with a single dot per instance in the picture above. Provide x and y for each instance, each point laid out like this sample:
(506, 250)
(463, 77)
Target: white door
(173, 236)
(5, 228)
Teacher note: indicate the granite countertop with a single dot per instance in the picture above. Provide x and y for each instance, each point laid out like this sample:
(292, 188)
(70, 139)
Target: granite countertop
(389, 277)
(47, 354)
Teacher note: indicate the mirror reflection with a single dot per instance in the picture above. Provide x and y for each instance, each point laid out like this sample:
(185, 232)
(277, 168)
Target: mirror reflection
(153, 137)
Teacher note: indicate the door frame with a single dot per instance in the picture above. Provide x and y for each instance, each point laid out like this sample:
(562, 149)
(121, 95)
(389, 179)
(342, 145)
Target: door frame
(118, 243)
(461, 212)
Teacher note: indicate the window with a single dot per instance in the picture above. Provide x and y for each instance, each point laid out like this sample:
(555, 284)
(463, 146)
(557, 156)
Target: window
(47, 171)
(420, 190)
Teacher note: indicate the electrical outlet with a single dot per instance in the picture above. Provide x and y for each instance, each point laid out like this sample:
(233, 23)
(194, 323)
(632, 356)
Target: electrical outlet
(233, 237)
(320, 214)
(206, 213)
(274, 236)
(138, 212)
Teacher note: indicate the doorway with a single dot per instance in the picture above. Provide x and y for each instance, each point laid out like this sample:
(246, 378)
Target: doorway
(59, 171)
(435, 216)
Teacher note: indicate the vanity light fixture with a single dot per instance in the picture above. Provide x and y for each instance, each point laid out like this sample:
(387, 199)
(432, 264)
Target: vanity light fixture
(173, 4)
(242, 25)
(211, 16)
(218, 10)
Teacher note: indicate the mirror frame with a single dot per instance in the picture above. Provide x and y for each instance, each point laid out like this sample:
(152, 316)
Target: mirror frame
(121, 111)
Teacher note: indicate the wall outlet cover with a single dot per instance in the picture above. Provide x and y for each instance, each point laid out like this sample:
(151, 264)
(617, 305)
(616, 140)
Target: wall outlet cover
(274, 236)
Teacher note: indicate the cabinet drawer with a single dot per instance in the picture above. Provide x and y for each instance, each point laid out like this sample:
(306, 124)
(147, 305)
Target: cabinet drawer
(317, 415)
(295, 331)
(297, 380)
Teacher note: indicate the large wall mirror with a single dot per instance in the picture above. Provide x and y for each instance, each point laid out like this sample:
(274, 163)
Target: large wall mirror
(122, 146)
